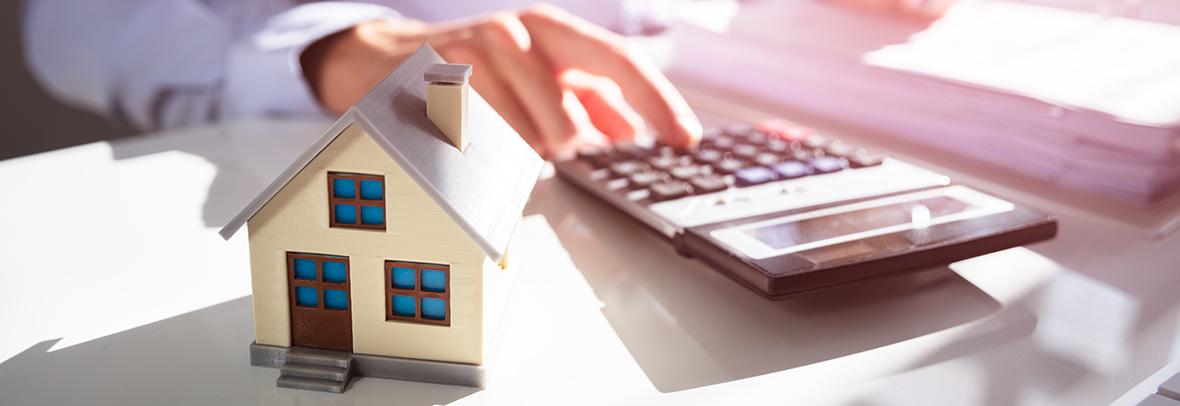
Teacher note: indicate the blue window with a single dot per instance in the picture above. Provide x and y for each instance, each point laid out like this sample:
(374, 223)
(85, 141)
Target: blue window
(404, 306)
(335, 299)
(434, 308)
(307, 296)
(372, 189)
(334, 272)
(319, 281)
(434, 280)
(305, 269)
(372, 215)
(344, 188)
(403, 278)
(345, 214)
(356, 200)
(418, 292)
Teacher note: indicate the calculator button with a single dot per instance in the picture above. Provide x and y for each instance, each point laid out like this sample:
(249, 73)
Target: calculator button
(663, 162)
(840, 149)
(745, 151)
(618, 184)
(708, 184)
(816, 141)
(645, 179)
(862, 159)
(708, 156)
(755, 175)
(828, 164)
(687, 172)
(802, 154)
(638, 194)
(669, 190)
(722, 142)
(756, 137)
(729, 165)
(599, 174)
(626, 168)
(777, 146)
(766, 159)
(661, 149)
(790, 170)
(712, 133)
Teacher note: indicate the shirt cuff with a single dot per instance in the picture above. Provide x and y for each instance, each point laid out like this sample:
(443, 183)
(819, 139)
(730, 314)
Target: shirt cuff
(264, 76)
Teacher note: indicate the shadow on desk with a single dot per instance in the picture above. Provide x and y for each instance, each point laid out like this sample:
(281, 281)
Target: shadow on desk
(197, 358)
(247, 157)
(688, 326)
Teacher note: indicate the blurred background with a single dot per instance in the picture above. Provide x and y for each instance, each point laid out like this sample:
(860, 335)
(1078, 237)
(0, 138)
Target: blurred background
(33, 122)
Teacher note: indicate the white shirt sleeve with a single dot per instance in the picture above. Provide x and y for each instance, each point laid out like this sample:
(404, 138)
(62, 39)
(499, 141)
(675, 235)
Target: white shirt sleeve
(169, 63)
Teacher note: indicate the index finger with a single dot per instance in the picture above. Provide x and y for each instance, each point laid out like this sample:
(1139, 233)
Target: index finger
(572, 43)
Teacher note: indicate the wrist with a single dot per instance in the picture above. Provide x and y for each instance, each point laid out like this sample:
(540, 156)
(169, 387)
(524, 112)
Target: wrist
(341, 67)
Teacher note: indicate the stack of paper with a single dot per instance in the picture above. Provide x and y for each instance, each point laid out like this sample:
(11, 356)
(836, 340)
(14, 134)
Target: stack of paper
(1076, 98)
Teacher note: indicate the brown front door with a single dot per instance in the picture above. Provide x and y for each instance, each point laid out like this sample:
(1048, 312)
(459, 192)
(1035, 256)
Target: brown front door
(321, 303)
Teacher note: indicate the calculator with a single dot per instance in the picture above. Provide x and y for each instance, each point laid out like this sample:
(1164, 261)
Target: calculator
(783, 209)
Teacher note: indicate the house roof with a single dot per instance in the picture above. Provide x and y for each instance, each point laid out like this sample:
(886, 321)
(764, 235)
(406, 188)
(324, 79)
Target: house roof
(483, 188)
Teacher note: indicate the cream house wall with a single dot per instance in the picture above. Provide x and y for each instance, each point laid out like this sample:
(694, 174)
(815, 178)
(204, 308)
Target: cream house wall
(497, 288)
(417, 229)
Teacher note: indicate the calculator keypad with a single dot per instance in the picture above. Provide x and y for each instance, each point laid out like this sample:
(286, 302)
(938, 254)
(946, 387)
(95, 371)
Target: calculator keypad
(728, 157)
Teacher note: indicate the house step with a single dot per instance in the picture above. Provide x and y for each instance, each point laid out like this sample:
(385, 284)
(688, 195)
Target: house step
(312, 356)
(322, 385)
(316, 371)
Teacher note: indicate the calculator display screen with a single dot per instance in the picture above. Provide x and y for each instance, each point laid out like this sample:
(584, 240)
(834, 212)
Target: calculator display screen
(916, 213)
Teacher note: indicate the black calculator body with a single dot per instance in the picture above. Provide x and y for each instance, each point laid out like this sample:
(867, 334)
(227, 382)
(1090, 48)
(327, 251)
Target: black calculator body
(784, 210)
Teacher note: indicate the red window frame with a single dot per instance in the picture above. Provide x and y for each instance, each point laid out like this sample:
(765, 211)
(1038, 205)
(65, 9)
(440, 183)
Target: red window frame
(417, 293)
(357, 202)
(319, 284)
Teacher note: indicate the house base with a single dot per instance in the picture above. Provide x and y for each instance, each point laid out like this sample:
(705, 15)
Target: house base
(375, 366)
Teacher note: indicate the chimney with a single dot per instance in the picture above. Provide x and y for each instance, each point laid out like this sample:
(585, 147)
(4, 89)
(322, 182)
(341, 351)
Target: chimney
(446, 100)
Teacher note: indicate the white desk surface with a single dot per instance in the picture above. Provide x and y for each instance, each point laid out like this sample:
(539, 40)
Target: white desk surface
(117, 290)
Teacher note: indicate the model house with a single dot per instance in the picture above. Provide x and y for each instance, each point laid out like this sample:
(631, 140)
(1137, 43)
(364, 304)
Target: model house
(381, 251)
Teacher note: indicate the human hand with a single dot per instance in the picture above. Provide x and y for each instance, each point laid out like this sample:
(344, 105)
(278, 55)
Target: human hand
(553, 76)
